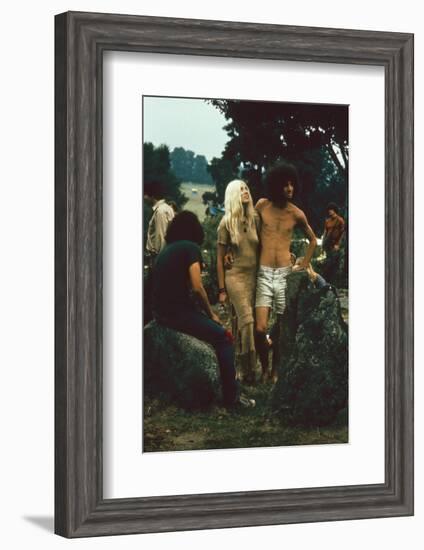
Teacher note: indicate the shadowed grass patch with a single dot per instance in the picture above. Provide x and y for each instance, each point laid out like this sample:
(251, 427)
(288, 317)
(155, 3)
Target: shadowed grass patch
(167, 428)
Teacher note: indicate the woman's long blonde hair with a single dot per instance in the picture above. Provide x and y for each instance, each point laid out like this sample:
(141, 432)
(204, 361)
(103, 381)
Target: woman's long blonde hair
(234, 211)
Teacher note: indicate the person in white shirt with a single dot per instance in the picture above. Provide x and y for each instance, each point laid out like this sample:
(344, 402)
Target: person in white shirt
(162, 215)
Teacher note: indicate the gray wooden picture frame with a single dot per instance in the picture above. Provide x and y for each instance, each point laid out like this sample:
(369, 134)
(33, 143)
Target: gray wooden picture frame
(80, 40)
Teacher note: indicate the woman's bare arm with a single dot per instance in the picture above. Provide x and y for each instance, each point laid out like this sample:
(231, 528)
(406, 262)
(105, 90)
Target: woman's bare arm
(220, 269)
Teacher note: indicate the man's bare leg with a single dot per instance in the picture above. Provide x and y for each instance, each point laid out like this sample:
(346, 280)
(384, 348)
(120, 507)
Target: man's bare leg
(262, 346)
(276, 350)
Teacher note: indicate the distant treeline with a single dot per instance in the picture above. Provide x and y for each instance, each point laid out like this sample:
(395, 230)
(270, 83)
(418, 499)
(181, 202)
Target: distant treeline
(171, 168)
(188, 166)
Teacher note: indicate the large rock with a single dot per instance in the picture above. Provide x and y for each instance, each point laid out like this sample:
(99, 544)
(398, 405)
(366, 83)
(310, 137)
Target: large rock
(179, 368)
(312, 355)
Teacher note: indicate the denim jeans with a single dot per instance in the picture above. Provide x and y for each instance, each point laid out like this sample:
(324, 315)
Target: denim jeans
(198, 325)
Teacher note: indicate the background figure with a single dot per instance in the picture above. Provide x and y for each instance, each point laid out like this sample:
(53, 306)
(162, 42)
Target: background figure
(158, 225)
(238, 232)
(162, 215)
(334, 230)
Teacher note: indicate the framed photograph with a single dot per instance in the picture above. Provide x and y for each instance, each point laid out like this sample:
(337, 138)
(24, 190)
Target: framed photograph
(234, 274)
(274, 314)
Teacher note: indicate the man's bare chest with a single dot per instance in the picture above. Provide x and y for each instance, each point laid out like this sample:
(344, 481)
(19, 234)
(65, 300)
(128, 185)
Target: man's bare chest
(279, 223)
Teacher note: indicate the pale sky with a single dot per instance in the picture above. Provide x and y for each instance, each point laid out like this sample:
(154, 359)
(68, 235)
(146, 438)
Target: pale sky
(189, 123)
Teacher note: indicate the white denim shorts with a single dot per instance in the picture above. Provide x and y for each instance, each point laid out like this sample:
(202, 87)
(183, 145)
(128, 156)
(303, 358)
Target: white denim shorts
(271, 287)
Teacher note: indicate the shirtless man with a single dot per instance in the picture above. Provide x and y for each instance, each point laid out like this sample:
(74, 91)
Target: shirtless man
(279, 216)
(333, 230)
(333, 233)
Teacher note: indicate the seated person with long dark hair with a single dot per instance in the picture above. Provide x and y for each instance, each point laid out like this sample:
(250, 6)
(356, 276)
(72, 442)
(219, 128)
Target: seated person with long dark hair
(176, 276)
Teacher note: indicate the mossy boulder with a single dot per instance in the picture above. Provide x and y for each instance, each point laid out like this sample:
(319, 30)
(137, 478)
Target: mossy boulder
(311, 355)
(179, 368)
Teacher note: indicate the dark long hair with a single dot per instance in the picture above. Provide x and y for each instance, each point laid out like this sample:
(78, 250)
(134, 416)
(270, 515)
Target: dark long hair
(276, 177)
(185, 227)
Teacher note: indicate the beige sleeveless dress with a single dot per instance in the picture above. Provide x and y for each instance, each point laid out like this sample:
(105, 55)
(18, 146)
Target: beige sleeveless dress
(240, 283)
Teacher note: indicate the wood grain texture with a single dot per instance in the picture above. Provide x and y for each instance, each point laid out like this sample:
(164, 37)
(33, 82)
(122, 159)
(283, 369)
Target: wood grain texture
(81, 39)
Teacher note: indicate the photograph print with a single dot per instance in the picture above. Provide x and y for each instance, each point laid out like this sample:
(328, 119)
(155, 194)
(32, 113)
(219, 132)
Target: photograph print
(245, 273)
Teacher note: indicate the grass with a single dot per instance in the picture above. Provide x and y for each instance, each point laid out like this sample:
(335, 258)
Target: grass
(167, 428)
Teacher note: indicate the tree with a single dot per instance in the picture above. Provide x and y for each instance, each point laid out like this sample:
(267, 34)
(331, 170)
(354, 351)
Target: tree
(222, 172)
(322, 182)
(261, 131)
(182, 163)
(157, 167)
(200, 172)
(210, 278)
(188, 166)
(313, 137)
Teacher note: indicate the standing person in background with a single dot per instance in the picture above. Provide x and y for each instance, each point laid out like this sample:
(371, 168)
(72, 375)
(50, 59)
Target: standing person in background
(334, 229)
(161, 217)
(238, 235)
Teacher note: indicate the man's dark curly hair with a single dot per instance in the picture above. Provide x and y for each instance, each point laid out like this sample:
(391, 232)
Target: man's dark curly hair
(332, 206)
(275, 178)
(185, 227)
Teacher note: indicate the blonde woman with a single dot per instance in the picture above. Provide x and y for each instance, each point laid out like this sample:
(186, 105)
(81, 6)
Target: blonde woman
(238, 234)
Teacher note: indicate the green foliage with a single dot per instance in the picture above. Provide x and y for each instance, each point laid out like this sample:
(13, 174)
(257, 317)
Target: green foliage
(182, 163)
(312, 136)
(298, 247)
(300, 243)
(261, 132)
(321, 182)
(222, 171)
(342, 273)
(200, 170)
(335, 267)
(188, 166)
(157, 168)
(210, 278)
(209, 196)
